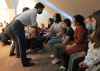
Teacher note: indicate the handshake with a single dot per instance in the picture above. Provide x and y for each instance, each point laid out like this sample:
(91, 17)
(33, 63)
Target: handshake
(30, 32)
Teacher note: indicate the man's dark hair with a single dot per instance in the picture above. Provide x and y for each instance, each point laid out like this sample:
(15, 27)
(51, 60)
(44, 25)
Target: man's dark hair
(25, 9)
(58, 17)
(39, 5)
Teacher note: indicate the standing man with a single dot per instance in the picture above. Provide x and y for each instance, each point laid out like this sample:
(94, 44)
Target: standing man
(17, 28)
(13, 37)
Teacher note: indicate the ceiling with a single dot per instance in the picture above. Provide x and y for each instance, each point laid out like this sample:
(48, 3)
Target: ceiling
(72, 7)
(65, 7)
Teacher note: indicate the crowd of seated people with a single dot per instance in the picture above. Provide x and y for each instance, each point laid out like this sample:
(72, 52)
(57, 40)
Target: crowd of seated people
(64, 41)
(84, 40)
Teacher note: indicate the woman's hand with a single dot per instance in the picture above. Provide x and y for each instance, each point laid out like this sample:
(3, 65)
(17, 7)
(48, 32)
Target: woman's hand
(82, 65)
(71, 45)
(74, 44)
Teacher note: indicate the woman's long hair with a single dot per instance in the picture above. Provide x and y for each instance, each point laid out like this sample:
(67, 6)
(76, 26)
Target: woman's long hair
(96, 15)
(80, 19)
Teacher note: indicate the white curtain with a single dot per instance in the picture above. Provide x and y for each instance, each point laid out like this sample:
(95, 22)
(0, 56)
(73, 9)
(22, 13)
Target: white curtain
(15, 4)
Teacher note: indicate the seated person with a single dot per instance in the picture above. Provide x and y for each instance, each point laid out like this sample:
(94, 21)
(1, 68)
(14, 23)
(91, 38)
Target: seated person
(35, 41)
(56, 26)
(90, 24)
(93, 55)
(80, 40)
(69, 30)
(66, 36)
(80, 37)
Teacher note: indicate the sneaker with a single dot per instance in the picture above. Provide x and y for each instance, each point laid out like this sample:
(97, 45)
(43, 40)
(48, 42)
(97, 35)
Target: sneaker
(55, 61)
(52, 56)
(27, 64)
(62, 68)
(12, 54)
(18, 56)
(28, 59)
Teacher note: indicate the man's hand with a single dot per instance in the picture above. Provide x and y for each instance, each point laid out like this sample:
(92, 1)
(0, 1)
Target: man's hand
(31, 32)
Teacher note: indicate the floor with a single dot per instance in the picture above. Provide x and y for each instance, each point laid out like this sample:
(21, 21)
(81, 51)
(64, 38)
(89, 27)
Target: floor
(41, 60)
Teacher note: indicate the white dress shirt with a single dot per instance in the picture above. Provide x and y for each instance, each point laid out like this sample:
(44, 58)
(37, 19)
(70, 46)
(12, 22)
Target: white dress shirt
(28, 17)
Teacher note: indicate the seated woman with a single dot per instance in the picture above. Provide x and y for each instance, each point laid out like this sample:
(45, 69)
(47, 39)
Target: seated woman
(93, 55)
(90, 24)
(80, 37)
(80, 42)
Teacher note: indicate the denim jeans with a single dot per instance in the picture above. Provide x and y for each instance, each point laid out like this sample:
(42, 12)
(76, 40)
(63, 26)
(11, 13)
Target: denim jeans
(18, 29)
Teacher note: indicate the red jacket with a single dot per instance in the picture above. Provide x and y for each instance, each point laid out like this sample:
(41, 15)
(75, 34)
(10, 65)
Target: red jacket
(80, 39)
